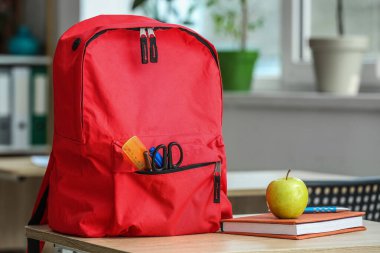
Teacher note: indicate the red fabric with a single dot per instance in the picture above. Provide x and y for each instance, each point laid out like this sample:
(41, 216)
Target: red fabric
(44, 186)
(103, 95)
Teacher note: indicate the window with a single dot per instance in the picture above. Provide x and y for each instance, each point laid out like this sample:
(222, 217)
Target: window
(285, 58)
(266, 38)
(360, 18)
(303, 19)
(91, 8)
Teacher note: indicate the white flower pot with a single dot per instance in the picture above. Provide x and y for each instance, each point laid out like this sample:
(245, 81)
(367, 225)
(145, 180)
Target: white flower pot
(337, 63)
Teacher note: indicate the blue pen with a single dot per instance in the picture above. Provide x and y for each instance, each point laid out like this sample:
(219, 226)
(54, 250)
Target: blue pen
(158, 157)
(325, 209)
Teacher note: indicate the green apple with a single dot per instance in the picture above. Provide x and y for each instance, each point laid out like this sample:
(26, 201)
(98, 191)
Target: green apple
(287, 197)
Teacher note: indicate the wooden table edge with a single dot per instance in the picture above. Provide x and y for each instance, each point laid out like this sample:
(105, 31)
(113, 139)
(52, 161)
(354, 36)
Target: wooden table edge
(74, 242)
(77, 243)
(11, 176)
(5, 175)
(246, 192)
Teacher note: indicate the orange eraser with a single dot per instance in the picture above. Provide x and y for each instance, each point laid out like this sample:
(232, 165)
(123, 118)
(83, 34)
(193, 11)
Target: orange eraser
(134, 149)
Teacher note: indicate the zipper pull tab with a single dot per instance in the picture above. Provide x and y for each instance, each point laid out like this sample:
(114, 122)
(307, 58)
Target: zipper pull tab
(143, 46)
(153, 46)
(217, 172)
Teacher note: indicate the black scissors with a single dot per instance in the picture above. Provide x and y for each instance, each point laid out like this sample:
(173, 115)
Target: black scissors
(167, 157)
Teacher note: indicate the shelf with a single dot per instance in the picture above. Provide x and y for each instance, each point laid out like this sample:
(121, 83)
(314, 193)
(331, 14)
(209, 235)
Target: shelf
(303, 100)
(24, 60)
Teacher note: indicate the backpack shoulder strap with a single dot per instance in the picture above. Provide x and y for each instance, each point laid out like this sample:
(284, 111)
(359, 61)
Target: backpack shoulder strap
(39, 215)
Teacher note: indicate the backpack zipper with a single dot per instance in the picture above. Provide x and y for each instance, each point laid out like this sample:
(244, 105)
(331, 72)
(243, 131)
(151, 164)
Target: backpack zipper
(146, 33)
(144, 46)
(178, 169)
(217, 175)
(202, 41)
(193, 34)
(153, 46)
(217, 172)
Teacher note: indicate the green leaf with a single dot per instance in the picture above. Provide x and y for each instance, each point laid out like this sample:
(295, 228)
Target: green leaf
(191, 9)
(174, 11)
(188, 22)
(256, 24)
(210, 3)
(138, 3)
(231, 14)
(218, 22)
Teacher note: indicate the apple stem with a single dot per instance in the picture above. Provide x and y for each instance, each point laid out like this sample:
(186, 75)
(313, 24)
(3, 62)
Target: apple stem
(287, 174)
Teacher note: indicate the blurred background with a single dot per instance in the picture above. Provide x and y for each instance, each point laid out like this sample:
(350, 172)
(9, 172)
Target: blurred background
(275, 120)
(279, 112)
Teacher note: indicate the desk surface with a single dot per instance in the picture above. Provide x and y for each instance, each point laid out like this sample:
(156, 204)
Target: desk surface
(18, 168)
(365, 241)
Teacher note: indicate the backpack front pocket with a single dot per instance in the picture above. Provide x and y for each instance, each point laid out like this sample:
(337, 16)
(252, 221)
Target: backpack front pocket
(185, 200)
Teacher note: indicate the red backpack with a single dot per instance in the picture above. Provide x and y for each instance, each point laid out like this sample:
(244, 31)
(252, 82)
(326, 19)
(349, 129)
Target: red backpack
(115, 77)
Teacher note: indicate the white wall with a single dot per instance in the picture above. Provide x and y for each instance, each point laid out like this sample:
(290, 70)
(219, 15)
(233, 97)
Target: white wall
(91, 8)
(70, 12)
(317, 134)
(67, 15)
(34, 18)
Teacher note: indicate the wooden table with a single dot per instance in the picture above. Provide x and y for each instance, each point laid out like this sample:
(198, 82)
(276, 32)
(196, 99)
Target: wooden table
(364, 242)
(19, 168)
(17, 197)
(254, 183)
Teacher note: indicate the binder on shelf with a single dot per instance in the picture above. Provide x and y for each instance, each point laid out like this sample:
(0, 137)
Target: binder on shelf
(5, 107)
(39, 106)
(20, 130)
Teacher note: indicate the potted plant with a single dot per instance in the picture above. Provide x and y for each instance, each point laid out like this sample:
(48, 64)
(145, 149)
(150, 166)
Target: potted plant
(337, 61)
(236, 65)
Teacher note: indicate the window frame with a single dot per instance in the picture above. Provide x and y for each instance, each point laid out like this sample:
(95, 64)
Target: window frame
(295, 32)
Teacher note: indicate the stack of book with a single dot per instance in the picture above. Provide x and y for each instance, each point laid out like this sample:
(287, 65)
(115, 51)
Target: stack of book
(23, 106)
(305, 226)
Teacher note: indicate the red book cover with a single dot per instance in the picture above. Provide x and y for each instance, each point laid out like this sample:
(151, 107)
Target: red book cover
(269, 218)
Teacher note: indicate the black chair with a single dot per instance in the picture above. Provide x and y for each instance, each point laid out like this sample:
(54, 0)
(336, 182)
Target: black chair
(362, 194)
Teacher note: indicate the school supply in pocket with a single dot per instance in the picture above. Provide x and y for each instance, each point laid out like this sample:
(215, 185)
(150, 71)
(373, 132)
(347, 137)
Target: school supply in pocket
(165, 161)
(119, 76)
(134, 149)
